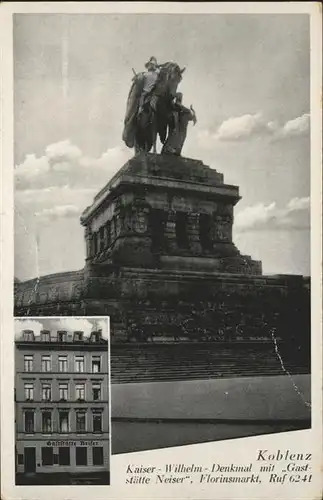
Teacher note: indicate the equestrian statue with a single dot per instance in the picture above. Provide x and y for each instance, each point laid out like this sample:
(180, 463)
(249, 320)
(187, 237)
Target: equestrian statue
(155, 109)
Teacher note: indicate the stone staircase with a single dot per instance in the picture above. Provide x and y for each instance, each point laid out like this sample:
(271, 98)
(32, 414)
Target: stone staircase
(152, 362)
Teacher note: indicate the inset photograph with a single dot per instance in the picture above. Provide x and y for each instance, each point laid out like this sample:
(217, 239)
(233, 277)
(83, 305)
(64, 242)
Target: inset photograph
(62, 416)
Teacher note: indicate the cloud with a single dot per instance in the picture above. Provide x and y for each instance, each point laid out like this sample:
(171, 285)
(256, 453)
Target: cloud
(63, 151)
(103, 324)
(299, 204)
(59, 211)
(245, 127)
(27, 324)
(53, 202)
(260, 217)
(52, 186)
(242, 127)
(296, 127)
(64, 164)
(82, 324)
(74, 324)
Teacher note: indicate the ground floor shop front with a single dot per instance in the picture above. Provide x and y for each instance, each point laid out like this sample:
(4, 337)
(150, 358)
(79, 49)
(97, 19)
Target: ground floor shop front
(42, 459)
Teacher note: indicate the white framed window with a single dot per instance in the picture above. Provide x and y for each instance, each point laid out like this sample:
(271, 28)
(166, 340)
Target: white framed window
(79, 364)
(63, 421)
(45, 336)
(46, 391)
(46, 421)
(28, 362)
(62, 364)
(80, 421)
(96, 364)
(29, 391)
(46, 363)
(63, 391)
(80, 390)
(29, 421)
(97, 421)
(28, 335)
(78, 336)
(96, 391)
(61, 336)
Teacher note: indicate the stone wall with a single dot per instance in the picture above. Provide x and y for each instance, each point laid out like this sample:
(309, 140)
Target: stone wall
(162, 306)
(165, 212)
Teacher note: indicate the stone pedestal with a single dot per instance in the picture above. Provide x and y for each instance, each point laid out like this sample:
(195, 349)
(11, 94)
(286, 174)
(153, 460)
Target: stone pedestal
(161, 262)
(165, 212)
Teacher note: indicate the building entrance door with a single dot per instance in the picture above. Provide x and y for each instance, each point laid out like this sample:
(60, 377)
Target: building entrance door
(30, 459)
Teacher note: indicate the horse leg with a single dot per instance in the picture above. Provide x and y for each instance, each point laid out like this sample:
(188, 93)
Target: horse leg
(154, 133)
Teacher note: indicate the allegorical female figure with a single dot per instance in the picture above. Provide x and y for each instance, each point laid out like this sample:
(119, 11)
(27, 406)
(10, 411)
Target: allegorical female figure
(179, 120)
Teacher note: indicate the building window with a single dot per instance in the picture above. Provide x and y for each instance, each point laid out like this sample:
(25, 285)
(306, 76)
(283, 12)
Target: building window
(46, 364)
(28, 335)
(61, 336)
(47, 421)
(62, 363)
(29, 421)
(78, 336)
(181, 230)
(29, 392)
(45, 336)
(79, 364)
(80, 421)
(63, 421)
(96, 336)
(28, 363)
(81, 455)
(47, 455)
(20, 459)
(63, 391)
(80, 391)
(97, 422)
(64, 455)
(46, 392)
(205, 231)
(97, 453)
(96, 364)
(96, 391)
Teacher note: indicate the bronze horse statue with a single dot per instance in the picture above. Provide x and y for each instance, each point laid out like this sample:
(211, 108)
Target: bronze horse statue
(143, 126)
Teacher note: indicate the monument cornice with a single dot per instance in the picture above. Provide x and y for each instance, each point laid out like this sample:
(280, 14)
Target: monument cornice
(226, 192)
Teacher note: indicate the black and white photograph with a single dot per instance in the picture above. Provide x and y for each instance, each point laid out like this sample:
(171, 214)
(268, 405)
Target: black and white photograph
(169, 187)
(165, 222)
(62, 423)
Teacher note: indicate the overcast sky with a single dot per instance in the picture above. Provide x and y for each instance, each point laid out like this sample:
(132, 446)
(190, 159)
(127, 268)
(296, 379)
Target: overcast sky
(247, 77)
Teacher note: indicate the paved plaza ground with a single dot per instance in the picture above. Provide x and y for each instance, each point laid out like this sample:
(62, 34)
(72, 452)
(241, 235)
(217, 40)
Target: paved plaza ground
(163, 414)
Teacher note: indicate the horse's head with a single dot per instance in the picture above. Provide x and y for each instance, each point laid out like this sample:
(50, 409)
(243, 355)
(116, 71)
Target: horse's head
(169, 78)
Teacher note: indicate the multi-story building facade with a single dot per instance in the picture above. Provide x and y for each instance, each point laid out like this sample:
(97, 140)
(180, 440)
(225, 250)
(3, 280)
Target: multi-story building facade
(61, 398)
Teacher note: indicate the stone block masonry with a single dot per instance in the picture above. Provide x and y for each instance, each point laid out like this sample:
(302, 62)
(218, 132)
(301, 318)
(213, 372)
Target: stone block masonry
(161, 261)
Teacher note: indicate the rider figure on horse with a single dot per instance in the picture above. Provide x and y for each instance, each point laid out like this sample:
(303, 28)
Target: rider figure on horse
(149, 81)
(141, 93)
(154, 109)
